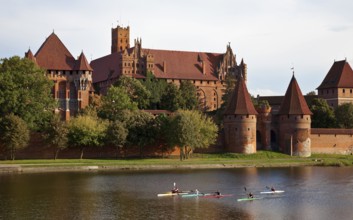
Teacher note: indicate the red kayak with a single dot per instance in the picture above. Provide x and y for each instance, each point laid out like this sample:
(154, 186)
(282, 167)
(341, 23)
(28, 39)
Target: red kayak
(217, 196)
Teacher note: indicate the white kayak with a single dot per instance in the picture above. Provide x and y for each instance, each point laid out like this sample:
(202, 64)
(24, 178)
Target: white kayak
(272, 192)
(171, 194)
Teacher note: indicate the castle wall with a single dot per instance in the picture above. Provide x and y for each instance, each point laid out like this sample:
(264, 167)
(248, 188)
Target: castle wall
(331, 141)
(240, 133)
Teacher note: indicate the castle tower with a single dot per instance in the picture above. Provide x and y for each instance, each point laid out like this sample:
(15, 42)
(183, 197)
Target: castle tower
(294, 122)
(337, 86)
(120, 39)
(240, 121)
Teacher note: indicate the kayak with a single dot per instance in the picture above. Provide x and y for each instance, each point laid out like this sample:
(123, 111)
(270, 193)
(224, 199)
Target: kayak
(272, 192)
(196, 195)
(171, 194)
(217, 196)
(248, 199)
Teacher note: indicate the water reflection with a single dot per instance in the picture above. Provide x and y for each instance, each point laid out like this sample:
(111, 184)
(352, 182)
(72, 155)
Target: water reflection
(311, 193)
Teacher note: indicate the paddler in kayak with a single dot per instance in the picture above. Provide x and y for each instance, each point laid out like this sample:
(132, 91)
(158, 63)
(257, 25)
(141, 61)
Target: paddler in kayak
(250, 195)
(272, 189)
(175, 189)
(217, 193)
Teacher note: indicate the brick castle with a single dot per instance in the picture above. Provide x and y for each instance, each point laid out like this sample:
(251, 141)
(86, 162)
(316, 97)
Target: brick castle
(284, 126)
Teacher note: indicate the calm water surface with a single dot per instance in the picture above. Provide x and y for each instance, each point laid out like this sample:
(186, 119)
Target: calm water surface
(310, 193)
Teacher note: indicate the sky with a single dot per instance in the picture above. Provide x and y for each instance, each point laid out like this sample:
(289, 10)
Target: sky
(272, 36)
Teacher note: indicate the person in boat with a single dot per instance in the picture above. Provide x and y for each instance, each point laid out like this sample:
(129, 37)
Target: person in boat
(175, 189)
(272, 189)
(250, 195)
(217, 193)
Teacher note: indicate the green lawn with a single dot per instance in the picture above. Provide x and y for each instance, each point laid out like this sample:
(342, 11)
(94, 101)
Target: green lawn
(261, 158)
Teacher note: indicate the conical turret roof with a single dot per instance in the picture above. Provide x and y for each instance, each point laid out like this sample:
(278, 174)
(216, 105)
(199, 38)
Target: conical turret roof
(82, 64)
(29, 55)
(240, 102)
(294, 102)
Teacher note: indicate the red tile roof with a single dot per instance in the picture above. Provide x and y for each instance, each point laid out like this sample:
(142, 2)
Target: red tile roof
(294, 102)
(339, 76)
(240, 102)
(185, 65)
(82, 64)
(53, 55)
(179, 65)
(106, 67)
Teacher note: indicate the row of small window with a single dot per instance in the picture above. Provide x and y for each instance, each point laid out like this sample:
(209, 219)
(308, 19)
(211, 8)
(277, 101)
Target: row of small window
(59, 72)
(134, 72)
(333, 91)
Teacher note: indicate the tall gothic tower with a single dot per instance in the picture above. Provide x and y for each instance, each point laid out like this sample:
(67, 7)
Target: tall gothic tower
(120, 39)
(240, 121)
(294, 122)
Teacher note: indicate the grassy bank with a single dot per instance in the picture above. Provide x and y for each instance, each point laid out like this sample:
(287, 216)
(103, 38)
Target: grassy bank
(260, 159)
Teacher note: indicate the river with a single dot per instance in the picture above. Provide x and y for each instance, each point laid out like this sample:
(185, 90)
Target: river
(310, 193)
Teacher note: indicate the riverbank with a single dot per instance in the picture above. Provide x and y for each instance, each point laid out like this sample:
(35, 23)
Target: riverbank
(198, 161)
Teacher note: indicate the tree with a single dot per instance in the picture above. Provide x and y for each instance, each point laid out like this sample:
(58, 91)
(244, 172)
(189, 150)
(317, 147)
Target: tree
(323, 115)
(135, 90)
(142, 130)
(188, 94)
(190, 130)
(14, 134)
(171, 100)
(311, 93)
(114, 103)
(344, 115)
(86, 131)
(25, 91)
(163, 123)
(156, 87)
(55, 134)
(116, 135)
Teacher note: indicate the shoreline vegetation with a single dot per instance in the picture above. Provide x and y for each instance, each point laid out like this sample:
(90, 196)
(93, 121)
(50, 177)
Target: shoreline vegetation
(197, 161)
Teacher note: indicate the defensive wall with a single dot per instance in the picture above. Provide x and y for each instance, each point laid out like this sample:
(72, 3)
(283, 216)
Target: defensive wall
(331, 140)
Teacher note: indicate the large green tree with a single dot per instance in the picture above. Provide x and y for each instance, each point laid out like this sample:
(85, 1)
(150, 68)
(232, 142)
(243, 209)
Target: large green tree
(114, 104)
(86, 131)
(172, 99)
(142, 130)
(323, 115)
(55, 134)
(25, 91)
(14, 134)
(156, 87)
(344, 115)
(190, 130)
(135, 90)
(116, 135)
(188, 94)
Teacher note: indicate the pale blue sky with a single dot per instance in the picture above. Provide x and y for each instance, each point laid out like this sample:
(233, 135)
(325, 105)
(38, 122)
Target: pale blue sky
(271, 36)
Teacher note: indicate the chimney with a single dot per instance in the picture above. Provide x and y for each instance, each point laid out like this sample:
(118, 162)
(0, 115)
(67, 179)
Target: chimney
(165, 66)
(203, 68)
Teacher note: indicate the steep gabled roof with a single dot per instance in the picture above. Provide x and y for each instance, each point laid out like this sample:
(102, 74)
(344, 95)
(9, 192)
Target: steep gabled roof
(240, 102)
(179, 65)
(294, 102)
(53, 55)
(339, 76)
(82, 64)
